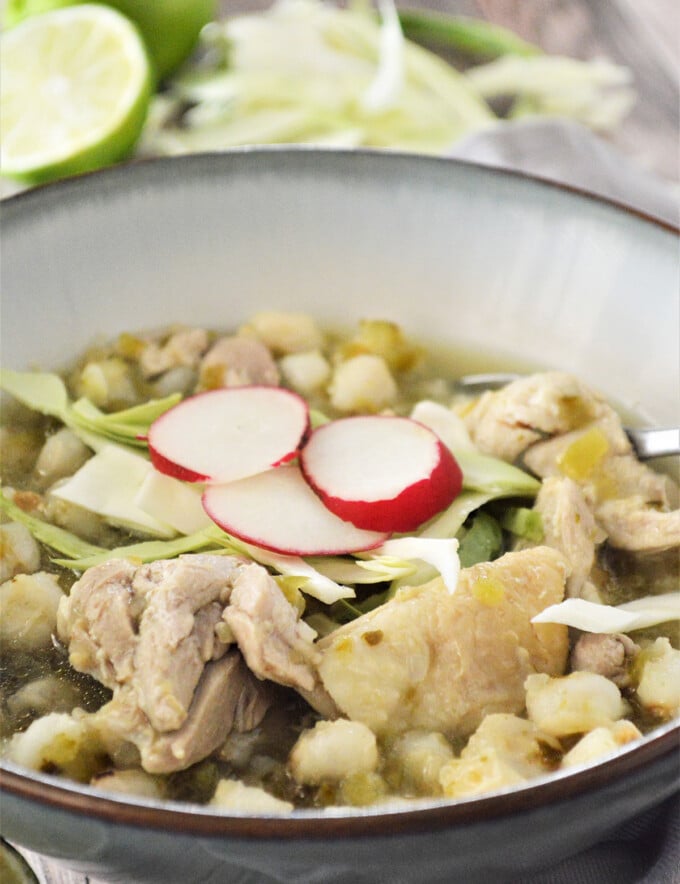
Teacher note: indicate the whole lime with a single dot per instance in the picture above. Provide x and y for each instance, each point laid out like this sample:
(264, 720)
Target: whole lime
(170, 28)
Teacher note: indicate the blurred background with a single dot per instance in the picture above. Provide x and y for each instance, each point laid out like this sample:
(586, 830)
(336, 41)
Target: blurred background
(643, 35)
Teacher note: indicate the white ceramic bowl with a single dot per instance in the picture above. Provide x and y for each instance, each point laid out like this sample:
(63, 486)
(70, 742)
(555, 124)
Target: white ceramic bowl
(457, 254)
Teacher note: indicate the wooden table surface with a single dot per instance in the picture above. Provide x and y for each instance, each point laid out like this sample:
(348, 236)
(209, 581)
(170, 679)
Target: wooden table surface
(642, 34)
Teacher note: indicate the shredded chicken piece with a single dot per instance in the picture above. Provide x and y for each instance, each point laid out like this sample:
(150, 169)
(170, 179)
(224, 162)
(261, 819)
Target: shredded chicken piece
(504, 423)
(569, 526)
(152, 634)
(276, 644)
(610, 655)
(236, 362)
(183, 348)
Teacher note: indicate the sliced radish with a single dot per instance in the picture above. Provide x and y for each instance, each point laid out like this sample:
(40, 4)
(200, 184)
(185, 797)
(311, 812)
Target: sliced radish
(227, 434)
(278, 510)
(381, 473)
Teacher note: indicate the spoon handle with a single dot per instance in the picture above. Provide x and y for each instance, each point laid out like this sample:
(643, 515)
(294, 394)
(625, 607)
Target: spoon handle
(654, 442)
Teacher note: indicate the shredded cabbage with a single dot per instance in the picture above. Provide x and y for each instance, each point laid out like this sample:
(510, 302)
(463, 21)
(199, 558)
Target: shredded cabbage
(305, 71)
(597, 93)
(594, 617)
(145, 551)
(441, 554)
(314, 583)
(108, 484)
(385, 90)
(489, 475)
(46, 393)
(445, 423)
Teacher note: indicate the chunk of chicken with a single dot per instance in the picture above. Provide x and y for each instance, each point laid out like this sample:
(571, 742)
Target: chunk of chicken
(182, 348)
(154, 634)
(277, 645)
(274, 642)
(632, 524)
(184, 600)
(611, 470)
(228, 697)
(505, 422)
(629, 500)
(545, 458)
(438, 661)
(569, 526)
(610, 655)
(146, 626)
(236, 362)
(99, 622)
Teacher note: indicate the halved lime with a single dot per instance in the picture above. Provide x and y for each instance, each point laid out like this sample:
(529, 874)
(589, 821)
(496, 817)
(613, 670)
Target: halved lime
(170, 28)
(75, 85)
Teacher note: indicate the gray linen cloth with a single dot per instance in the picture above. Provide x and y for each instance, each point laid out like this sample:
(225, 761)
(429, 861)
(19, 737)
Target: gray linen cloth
(568, 153)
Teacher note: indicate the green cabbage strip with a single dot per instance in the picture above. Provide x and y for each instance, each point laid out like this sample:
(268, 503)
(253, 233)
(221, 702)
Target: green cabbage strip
(449, 522)
(128, 427)
(46, 393)
(362, 571)
(145, 551)
(463, 34)
(490, 475)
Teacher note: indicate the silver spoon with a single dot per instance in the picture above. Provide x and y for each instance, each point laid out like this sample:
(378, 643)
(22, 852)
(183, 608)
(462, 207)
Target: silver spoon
(648, 442)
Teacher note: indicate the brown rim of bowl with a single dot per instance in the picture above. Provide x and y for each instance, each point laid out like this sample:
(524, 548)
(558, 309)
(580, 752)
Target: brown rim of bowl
(38, 191)
(175, 817)
(361, 823)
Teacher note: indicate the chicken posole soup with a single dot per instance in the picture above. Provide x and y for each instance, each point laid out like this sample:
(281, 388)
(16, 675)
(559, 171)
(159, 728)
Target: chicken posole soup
(283, 568)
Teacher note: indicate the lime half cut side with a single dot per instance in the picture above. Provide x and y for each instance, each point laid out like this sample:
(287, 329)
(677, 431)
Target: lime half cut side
(75, 86)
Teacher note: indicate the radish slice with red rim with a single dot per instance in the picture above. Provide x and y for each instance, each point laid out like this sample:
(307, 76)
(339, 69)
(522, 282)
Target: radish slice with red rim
(227, 434)
(379, 472)
(277, 510)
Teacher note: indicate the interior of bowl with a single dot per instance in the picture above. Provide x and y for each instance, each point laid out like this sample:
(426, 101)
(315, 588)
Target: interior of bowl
(459, 255)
